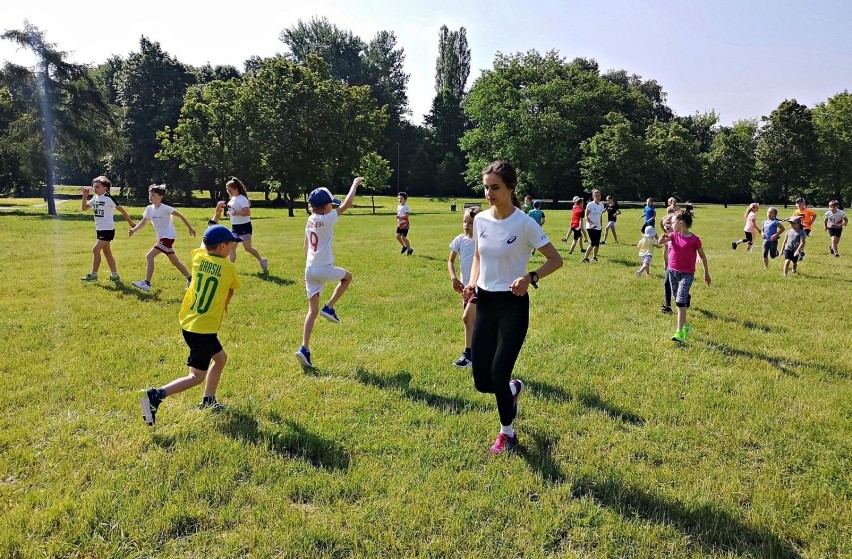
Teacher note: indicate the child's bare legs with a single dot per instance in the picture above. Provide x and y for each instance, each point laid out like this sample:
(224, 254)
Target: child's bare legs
(786, 267)
(645, 267)
(574, 244)
(149, 266)
(197, 376)
(339, 290)
(173, 258)
(249, 249)
(310, 318)
(681, 317)
(835, 240)
(103, 246)
(403, 240)
(468, 318)
(765, 262)
(606, 234)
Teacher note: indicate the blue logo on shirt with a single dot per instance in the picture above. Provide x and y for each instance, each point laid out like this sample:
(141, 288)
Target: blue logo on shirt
(511, 240)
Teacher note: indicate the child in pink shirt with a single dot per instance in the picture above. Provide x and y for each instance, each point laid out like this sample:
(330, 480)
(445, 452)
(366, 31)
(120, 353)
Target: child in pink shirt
(683, 249)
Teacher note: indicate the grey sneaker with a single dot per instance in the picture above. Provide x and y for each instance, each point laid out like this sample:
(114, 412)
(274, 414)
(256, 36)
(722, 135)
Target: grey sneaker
(264, 265)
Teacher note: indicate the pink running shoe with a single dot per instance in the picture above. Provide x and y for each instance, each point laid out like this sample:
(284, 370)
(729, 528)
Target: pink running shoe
(504, 443)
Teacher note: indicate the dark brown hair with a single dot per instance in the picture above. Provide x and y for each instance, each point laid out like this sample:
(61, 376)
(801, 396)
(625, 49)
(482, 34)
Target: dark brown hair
(685, 216)
(102, 180)
(507, 172)
(158, 189)
(403, 194)
(236, 183)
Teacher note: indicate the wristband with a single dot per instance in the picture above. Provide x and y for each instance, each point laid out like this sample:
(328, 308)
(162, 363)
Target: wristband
(212, 222)
(534, 279)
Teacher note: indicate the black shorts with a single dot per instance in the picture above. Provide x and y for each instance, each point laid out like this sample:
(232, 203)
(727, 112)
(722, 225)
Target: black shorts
(106, 234)
(748, 237)
(578, 233)
(835, 231)
(402, 232)
(594, 237)
(241, 229)
(790, 255)
(202, 348)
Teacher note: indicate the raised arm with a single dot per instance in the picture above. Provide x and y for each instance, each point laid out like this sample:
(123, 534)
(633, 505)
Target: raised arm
(85, 205)
(350, 197)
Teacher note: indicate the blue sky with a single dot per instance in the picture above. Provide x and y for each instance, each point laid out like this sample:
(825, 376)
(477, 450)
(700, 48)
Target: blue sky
(739, 58)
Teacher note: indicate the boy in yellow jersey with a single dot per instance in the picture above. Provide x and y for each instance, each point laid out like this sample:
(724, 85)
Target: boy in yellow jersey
(214, 279)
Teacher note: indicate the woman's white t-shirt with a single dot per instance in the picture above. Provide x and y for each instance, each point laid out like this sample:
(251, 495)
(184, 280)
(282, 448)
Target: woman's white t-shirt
(238, 202)
(504, 247)
(595, 210)
(465, 247)
(161, 219)
(104, 207)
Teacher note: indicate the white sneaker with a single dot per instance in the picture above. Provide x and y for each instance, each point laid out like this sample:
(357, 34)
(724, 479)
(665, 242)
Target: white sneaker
(142, 284)
(264, 265)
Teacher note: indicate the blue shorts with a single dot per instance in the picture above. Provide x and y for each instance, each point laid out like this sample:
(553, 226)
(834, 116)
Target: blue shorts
(680, 283)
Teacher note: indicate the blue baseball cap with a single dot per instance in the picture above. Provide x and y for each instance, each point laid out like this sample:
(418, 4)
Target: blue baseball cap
(216, 234)
(322, 196)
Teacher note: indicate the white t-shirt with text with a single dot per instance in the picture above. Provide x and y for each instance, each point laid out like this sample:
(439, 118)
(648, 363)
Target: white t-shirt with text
(504, 248)
(161, 219)
(319, 232)
(104, 207)
(595, 210)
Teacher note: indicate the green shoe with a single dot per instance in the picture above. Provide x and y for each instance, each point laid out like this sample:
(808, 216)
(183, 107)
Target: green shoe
(116, 278)
(679, 337)
(89, 277)
(687, 329)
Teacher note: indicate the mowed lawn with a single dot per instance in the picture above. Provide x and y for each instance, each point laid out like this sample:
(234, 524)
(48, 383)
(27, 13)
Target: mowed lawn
(736, 444)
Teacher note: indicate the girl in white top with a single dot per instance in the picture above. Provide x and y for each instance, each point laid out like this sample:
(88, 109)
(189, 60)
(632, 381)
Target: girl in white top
(463, 247)
(239, 212)
(750, 228)
(160, 215)
(594, 215)
(105, 208)
(504, 236)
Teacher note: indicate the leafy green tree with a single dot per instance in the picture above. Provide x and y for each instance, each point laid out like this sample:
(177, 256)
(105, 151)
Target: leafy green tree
(729, 165)
(64, 116)
(453, 66)
(376, 171)
(676, 168)
(644, 101)
(150, 89)
(703, 126)
(535, 110)
(787, 153)
(306, 125)
(833, 125)
(616, 160)
(211, 137)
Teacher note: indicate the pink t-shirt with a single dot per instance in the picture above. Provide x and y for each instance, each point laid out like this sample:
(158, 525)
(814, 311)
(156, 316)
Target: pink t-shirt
(683, 252)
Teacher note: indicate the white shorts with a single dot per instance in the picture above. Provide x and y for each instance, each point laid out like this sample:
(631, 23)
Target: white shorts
(317, 276)
(610, 225)
(646, 259)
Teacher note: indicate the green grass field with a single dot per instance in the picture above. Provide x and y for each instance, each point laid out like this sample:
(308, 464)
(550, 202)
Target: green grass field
(734, 445)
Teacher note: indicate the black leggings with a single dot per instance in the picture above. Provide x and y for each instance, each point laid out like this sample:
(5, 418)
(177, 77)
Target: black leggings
(667, 289)
(502, 319)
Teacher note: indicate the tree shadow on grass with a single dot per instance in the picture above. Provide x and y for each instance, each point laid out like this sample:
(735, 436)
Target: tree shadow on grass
(707, 526)
(294, 442)
(536, 449)
(592, 400)
(401, 382)
(274, 279)
(783, 364)
(747, 323)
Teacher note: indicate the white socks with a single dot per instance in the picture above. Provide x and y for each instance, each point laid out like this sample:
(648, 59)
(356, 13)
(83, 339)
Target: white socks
(508, 429)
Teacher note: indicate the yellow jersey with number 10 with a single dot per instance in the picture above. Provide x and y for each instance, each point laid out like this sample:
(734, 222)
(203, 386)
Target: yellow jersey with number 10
(203, 308)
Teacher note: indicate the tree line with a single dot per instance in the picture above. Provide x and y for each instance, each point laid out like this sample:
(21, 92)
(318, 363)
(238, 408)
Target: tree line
(334, 104)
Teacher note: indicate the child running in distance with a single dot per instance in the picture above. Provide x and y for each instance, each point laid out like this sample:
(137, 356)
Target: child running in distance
(319, 261)
(835, 221)
(646, 250)
(684, 247)
(105, 207)
(794, 245)
(463, 247)
(575, 230)
(402, 224)
(160, 215)
(214, 280)
(750, 229)
(771, 229)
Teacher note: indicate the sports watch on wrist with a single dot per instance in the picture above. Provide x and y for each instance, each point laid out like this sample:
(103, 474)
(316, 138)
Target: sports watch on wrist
(534, 279)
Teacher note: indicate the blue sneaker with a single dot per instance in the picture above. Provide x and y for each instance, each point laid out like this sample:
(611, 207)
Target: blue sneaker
(304, 357)
(328, 313)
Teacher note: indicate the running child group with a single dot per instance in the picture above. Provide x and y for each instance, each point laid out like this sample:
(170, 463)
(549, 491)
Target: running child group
(493, 280)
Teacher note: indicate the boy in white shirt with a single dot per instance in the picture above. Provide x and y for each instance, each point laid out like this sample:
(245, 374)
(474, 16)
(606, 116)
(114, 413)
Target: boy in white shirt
(463, 247)
(160, 215)
(319, 261)
(835, 221)
(402, 224)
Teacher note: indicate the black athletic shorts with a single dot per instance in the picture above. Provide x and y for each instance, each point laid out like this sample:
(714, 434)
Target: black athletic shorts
(241, 229)
(790, 255)
(106, 234)
(403, 232)
(835, 231)
(578, 233)
(594, 237)
(202, 348)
